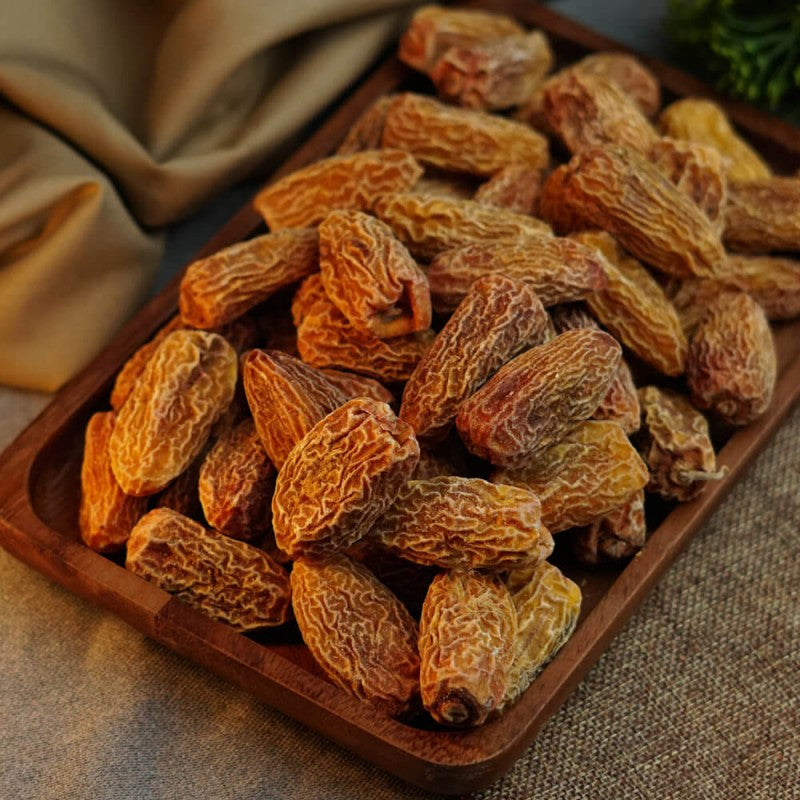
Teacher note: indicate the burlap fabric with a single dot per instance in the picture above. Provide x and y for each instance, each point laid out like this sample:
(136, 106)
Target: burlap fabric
(697, 699)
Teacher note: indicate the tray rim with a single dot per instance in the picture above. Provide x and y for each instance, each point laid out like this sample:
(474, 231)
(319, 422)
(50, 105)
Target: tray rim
(485, 753)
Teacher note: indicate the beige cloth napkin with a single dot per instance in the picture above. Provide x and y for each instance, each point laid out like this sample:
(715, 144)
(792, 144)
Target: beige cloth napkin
(118, 117)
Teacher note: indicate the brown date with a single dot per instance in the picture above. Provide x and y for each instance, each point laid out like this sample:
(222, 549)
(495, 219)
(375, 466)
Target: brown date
(497, 318)
(221, 287)
(286, 398)
(341, 476)
(304, 197)
(428, 224)
(463, 523)
(361, 635)
(675, 444)
(634, 308)
(184, 558)
(466, 646)
(371, 277)
(559, 270)
(460, 139)
(538, 397)
(548, 605)
(236, 482)
(188, 383)
(434, 29)
(106, 514)
(619, 191)
(326, 339)
(587, 474)
(732, 364)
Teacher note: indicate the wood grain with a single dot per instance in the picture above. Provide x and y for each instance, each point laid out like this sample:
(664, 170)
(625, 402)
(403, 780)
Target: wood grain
(39, 499)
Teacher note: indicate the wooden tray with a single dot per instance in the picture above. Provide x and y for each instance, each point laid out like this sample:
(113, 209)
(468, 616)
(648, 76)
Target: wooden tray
(39, 490)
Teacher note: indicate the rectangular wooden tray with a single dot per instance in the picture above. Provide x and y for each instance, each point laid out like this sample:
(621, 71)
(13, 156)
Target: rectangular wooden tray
(39, 492)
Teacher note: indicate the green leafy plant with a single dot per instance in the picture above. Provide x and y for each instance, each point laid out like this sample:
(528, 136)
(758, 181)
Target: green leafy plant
(752, 47)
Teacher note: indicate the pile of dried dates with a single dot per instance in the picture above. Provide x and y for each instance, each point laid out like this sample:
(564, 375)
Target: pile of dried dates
(422, 373)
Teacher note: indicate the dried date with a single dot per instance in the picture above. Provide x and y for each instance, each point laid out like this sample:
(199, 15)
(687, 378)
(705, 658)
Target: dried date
(371, 277)
(619, 191)
(343, 474)
(305, 196)
(223, 286)
(236, 482)
(357, 631)
(634, 308)
(186, 386)
(460, 139)
(732, 365)
(548, 605)
(286, 398)
(559, 270)
(466, 646)
(428, 224)
(464, 523)
(498, 318)
(106, 514)
(184, 558)
(434, 29)
(675, 444)
(495, 74)
(538, 397)
(591, 471)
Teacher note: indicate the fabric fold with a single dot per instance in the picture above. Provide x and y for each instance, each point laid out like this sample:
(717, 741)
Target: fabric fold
(124, 117)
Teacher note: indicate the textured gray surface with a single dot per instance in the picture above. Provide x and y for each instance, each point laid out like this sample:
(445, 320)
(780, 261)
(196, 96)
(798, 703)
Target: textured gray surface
(697, 698)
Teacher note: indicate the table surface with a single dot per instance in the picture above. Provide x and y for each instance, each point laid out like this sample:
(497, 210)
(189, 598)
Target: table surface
(698, 697)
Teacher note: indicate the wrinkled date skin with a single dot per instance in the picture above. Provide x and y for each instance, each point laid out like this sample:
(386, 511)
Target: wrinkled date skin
(732, 364)
(763, 215)
(703, 121)
(621, 192)
(343, 474)
(460, 139)
(515, 188)
(493, 75)
(186, 386)
(675, 444)
(361, 635)
(538, 397)
(286, 398)
(371, 277)
(367, 131)
(634, 308)
(106, 515)
(587, 110)
(464, 523)
(236, 483)
(326, 339)
(223, 286)
(618, 535)
(352, 385)
(433, 30)
(305, 196)
(548, 605)
(773, 282)
(621, 403)
(626, 71)
(184, 558)
(559, 270)
(428, 224)
(591, 471)
(466, 647)
(698, 170)
(497, 319)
